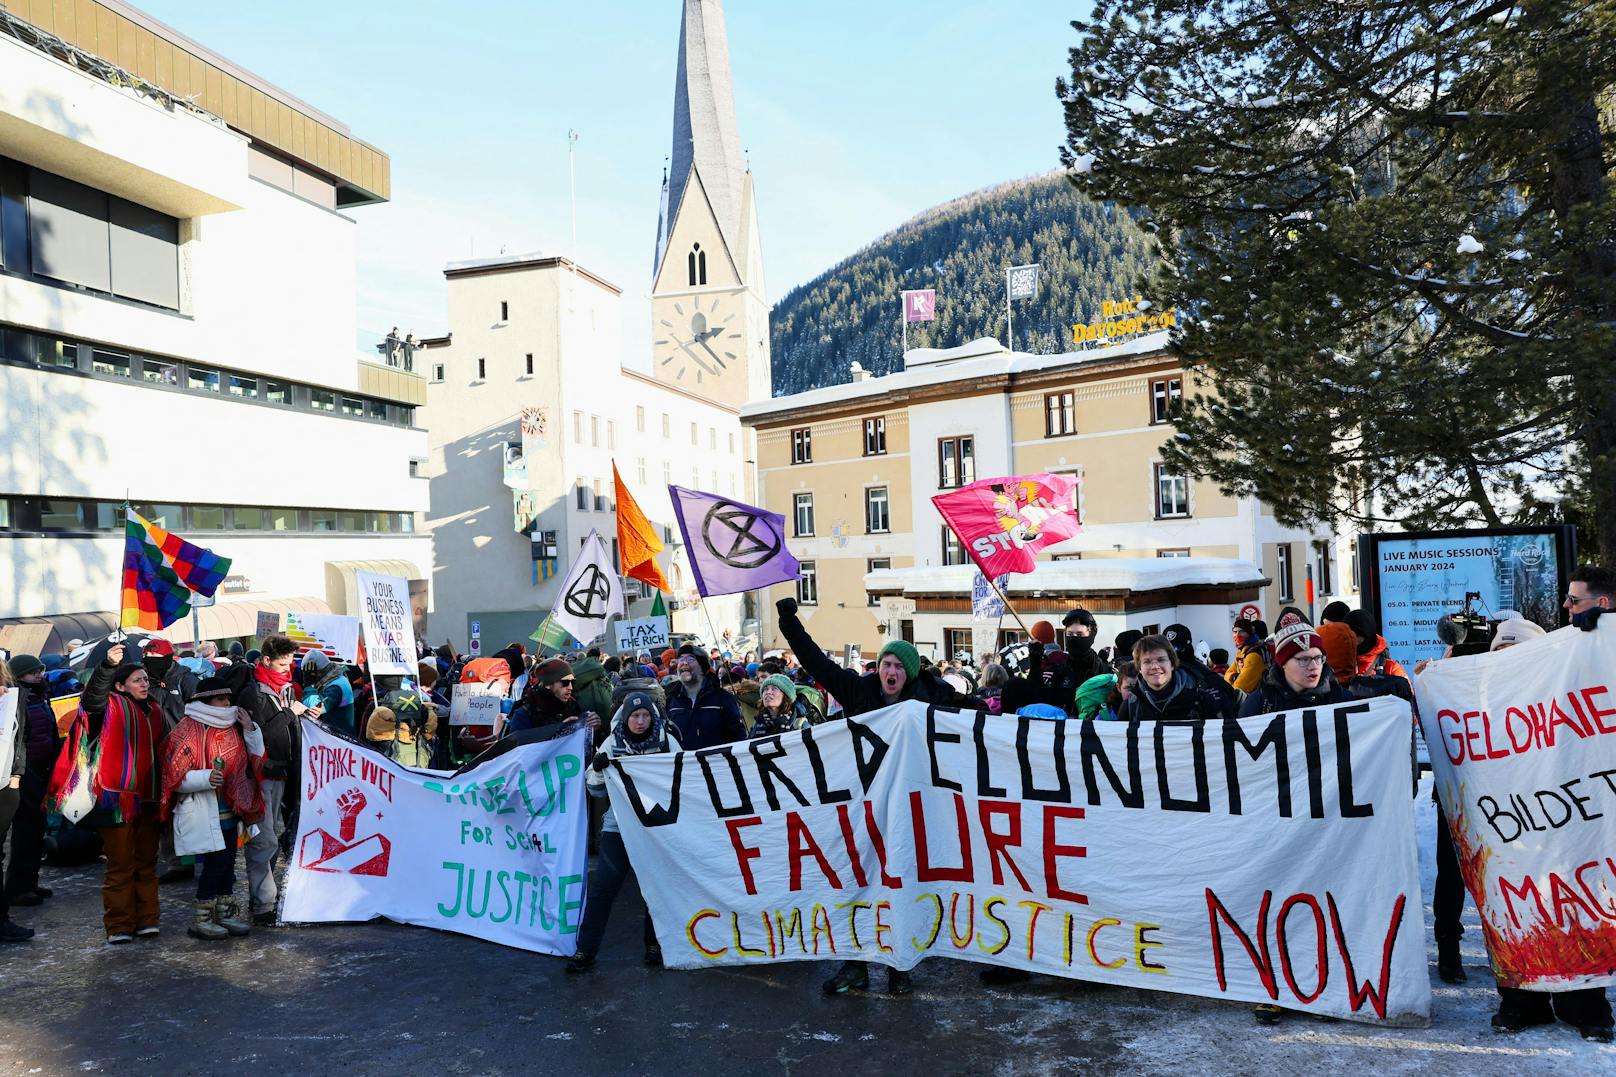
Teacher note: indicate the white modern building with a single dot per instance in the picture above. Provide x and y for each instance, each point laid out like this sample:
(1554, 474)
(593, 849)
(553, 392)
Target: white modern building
(177, 326)
(532, 395)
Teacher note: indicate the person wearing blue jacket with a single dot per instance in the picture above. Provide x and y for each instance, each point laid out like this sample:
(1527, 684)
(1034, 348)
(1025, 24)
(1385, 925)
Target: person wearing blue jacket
(325, 683)
(702, 711)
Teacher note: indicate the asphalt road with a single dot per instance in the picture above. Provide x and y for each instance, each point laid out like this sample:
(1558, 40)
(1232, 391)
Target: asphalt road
(380, 998)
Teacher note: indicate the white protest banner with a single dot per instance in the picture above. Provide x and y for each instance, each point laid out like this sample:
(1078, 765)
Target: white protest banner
(1266, 860)
(475, 704)
(1523, 747)
(384, 611)
(642, 635)
(498, 852)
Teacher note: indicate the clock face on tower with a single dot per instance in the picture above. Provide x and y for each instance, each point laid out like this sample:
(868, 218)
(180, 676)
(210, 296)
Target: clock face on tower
(698, 339)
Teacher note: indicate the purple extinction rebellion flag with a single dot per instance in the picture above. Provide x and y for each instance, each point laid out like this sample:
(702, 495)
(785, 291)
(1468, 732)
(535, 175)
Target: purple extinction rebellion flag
(733, 547)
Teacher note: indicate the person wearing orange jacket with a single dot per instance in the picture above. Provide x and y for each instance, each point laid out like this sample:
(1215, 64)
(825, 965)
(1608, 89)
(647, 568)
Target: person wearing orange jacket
(1372, 653)
(1249, 665)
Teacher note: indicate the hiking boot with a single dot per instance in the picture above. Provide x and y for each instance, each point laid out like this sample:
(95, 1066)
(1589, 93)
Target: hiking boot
(1449, 965)
(14, 932)
(264, 918)
(653, 955)
(1508, 1020)
(1595, 1033)
(852, 976)
(999, 976)
(150, 931)
(179, 873)
(226, 913)
(202, 925)
(1267, 1014)
(118, 938)
(899, 983)
(580, 963)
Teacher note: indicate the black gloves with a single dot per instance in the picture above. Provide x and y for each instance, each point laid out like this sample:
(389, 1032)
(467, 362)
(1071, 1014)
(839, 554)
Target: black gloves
(1588, 619)
(787, 607)
(599, 762)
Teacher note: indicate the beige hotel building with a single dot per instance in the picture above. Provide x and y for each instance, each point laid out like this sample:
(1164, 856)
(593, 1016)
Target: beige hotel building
(853, 468)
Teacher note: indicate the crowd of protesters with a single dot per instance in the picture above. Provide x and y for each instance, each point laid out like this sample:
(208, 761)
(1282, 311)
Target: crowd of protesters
(193, 757)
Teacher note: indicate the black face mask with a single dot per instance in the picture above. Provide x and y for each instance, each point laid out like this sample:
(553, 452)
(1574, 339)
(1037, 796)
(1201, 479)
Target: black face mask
(1076, 644)
(158, 667)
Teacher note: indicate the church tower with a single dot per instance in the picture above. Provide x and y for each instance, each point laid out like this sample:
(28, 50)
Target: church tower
(709, 311)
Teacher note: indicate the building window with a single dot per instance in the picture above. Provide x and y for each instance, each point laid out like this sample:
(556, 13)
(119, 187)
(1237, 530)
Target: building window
(956, 462)
(953, 548)
(667, 425)
(639, 417)
(639, 464)
(236, 385)
(1172, 493)
(202, 380)
(956, 641)
(667, 473)
(1326, 555)
(600, 498)
(278, 392)
(802, 446)
(875, 436)
(695, 433)
(712, 438)
(1166, 395)
(352, 405)
(504, 311)
(1059, 414)
(808, 585)
(437, 372)
(582, 493)
(732, 441)
(113, 363)
(803, 515)
(594, 430)
(1353, 568)
(877, 511)
(577, 428)
(529, 359)
(158, 372)
(322, 400)
(88, 238)
(1182, 551)
(875, 564)
(1287, 586)
(482, 369)
(696, 263)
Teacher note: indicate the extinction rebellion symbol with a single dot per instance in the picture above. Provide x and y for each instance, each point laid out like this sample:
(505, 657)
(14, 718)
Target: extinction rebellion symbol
(739, 537)
(589, 596)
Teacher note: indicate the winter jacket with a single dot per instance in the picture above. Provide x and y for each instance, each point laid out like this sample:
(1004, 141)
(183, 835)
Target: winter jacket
(272, 712)
(1274, 694)
(1183, 699)
(749, 694)
(1246, 671)
(764, 724)
(1228, 698)
(130, 736)
(1377, 656)
(648, 685)
(858, 693)
(713, 717)
(663, 736)
(398, 740)
(1057, 686)
(336, 696)
(14, 750)
(591, 688)
(42, 737)
(540, 708)
(1340, 649)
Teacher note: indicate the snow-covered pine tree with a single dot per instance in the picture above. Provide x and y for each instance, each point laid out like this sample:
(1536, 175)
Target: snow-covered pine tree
(1388, 230)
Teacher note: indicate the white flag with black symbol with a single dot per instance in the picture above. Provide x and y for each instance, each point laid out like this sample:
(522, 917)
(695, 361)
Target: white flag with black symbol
(591, 593)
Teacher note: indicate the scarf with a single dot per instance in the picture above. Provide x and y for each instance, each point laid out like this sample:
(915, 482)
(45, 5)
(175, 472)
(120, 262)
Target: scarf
(127, 776)
(269, 678)
(211, 716)
(195, 743)
(765, 724)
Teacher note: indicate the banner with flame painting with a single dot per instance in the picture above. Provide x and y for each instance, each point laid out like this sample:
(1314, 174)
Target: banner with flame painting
(1523, 746)
(336, 635)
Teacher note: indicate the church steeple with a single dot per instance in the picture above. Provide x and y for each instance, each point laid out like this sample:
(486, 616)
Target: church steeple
(704, 131)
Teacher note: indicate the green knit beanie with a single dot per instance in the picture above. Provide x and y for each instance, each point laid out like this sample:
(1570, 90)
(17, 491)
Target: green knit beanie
(782, 682)
(905, 653)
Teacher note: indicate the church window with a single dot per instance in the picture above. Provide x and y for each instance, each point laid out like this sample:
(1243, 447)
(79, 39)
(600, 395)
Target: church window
(696, 263)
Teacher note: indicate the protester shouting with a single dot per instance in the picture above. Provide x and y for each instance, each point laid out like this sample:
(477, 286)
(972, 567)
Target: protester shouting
(212, 762)
(702, 710)
(638, 728)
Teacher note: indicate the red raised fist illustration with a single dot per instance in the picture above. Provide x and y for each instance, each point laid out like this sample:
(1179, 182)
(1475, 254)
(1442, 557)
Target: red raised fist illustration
(350, 804)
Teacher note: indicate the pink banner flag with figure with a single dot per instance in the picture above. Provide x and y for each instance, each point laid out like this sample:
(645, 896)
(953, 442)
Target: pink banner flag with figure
(1004, 522)
(920, 306)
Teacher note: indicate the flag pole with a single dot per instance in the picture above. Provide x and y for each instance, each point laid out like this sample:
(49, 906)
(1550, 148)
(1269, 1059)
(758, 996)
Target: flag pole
(1006, 600)
(702, 602)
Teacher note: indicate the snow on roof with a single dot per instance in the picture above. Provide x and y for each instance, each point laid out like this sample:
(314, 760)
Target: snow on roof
(1102, 574)
(980, 358)
(496, 260)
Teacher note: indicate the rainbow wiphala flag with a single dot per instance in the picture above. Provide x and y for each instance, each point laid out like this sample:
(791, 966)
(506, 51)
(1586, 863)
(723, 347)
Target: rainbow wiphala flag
(160, 573)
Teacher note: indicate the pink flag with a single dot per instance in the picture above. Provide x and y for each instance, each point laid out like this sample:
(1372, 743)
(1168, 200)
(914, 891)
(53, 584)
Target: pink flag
(1004, 522)
(920, 306)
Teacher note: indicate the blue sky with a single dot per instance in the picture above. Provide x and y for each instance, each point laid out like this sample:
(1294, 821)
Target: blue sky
(855, 116)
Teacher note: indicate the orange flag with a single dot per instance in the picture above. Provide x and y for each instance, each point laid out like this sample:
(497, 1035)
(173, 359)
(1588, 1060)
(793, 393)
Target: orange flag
(637, 540)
